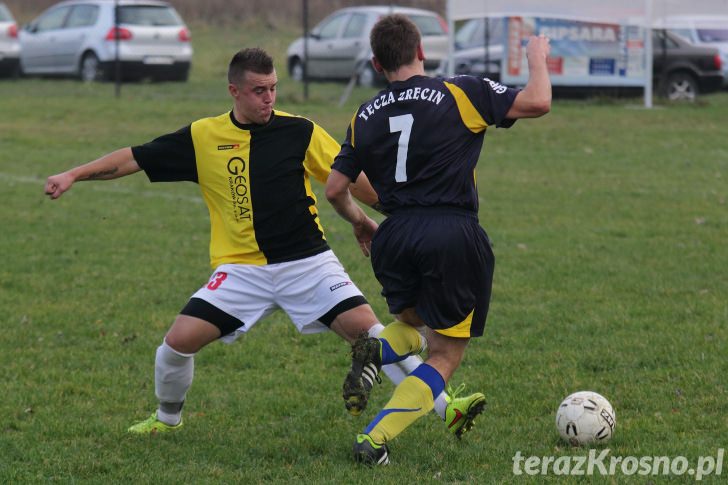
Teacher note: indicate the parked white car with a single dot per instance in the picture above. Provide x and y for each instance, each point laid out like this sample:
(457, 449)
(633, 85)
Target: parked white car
(338, 47)
(711, 31)
(9, 45)
(470, 56)
(79, 38)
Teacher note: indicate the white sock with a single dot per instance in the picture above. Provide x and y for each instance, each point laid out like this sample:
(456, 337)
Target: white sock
(171, 419)
(173, 372)
(397, 372)
(375, 330)
(441, 405)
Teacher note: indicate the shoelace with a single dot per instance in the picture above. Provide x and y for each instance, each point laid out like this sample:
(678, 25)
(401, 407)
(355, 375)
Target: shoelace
(453, 393)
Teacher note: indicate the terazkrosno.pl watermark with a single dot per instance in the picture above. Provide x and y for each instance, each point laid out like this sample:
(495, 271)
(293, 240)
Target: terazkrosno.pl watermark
(600, 462)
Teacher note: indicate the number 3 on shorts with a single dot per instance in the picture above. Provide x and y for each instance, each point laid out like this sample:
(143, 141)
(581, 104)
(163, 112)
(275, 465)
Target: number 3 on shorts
(216, 281)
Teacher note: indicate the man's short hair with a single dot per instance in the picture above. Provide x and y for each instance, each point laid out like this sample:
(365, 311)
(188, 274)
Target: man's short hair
(253, 59)
(394, 40)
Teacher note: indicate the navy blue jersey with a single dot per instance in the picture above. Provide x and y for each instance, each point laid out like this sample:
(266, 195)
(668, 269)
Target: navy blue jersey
(419, 140)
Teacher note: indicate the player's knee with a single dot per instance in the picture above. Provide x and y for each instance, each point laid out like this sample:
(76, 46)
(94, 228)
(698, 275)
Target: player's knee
(189, 335)
(181, 343)
(351, 323)
(359, 318)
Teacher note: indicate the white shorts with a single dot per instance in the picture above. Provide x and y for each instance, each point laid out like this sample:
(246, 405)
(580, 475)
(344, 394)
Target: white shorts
(305, 289)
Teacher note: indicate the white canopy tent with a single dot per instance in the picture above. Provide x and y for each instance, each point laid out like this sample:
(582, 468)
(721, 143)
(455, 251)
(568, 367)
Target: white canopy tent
(642, 13)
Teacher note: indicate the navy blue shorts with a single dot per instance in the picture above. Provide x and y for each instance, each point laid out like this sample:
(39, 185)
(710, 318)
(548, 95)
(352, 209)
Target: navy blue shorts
(438, 261)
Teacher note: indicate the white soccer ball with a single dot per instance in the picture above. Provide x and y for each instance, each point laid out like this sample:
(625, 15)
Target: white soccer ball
(585, 417)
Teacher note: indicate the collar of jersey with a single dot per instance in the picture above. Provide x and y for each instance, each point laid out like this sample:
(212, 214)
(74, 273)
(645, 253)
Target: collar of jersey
(406, 82)
(251, 126)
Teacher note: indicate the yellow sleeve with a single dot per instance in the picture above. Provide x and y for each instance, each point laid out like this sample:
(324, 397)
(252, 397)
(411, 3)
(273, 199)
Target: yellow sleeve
(322, 149)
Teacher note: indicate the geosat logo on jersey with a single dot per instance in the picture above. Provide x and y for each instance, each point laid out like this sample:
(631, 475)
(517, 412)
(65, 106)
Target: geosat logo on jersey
(239, 189)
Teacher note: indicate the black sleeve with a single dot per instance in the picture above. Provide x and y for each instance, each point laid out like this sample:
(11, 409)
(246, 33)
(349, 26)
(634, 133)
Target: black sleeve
(169, 158)
(345, 162)
(492, 99)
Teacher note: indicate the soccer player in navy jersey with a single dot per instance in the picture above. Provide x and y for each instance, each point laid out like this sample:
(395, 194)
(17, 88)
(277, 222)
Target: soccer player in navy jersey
(267, 246)
(418, 142)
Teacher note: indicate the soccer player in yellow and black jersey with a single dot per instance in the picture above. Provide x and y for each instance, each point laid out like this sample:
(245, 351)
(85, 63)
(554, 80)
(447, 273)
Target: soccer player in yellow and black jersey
(267, 246)
(418, 141)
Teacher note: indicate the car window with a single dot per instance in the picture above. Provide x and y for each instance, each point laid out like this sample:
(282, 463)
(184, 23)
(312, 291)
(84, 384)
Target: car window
(472, 33)
(5, 14)
(355, 26)
(148, 15)
(428, 25)
(713, 35)
(684, 33)
(330, 27)
(660, 39)
(52, 20)
(468, 33)
(496, 30)
(82, 16)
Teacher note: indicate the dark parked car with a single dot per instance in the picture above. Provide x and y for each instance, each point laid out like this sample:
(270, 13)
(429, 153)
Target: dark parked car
(706, 30)
(681, 70)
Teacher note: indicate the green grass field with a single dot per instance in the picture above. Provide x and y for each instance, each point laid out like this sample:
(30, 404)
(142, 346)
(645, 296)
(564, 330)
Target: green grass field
(609, 224)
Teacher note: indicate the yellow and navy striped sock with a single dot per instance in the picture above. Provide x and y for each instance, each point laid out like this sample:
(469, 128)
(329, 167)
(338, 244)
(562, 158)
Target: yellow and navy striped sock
(413, 397)
(399, 341)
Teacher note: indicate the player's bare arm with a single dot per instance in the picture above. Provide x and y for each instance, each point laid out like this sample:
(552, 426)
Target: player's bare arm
(363, 191)
(111, 166)
(535, 99)
(337, 193)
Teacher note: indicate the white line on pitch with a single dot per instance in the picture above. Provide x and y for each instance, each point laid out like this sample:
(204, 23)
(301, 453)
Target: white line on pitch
(104, 188)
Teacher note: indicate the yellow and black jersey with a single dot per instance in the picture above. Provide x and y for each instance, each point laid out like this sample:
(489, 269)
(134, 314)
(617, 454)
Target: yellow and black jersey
(419, 140)
(255, 180)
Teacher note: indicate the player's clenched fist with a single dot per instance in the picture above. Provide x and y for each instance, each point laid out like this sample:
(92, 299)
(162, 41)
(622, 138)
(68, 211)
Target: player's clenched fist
(58, 184)
(538, 47)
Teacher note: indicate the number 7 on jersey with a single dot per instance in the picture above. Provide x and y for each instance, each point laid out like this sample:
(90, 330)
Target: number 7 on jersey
(403, 125)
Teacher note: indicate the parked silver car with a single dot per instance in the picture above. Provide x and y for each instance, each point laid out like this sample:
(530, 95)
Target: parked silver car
(338, 47)
(9, 45)
(79, 38)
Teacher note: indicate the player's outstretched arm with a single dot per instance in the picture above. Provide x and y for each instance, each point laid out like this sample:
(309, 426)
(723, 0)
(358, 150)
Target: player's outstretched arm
(111, 166)
(337, 193)
(535, 99)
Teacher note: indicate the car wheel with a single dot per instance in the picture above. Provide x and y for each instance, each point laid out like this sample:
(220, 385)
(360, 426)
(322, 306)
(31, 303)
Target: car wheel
(681, 86)
(15, 71)
(89, 70)
(296, 69)
(367, 78)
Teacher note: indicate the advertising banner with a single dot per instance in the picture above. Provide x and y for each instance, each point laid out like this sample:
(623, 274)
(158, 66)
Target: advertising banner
(582, 53)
